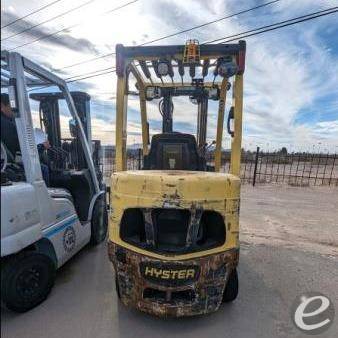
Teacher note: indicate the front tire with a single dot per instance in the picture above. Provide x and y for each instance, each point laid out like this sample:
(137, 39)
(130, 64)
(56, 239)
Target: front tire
(26, 280)
(231, 289)
(99, 223)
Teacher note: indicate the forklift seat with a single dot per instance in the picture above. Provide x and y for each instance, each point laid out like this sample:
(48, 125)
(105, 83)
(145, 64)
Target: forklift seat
(174, 151)
(79, 184)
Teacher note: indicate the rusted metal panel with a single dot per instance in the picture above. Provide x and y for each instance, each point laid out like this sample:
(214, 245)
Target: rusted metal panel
(206, 290)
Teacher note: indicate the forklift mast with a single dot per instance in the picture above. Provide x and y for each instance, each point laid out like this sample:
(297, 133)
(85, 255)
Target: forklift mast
(49, 110)
(199, 72)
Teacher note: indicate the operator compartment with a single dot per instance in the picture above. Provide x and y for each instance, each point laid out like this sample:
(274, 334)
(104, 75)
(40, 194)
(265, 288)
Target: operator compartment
(65, 158)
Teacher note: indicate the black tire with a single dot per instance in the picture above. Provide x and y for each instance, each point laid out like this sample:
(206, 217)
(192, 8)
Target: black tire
(117, 288)
(231, 289)
(26, 280)
(99, 223)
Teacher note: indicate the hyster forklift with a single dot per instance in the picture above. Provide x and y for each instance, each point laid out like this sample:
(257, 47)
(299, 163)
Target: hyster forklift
(174, 225)
(45, 223)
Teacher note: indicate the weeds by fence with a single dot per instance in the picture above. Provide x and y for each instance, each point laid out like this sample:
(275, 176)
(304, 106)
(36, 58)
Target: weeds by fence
(296, 169)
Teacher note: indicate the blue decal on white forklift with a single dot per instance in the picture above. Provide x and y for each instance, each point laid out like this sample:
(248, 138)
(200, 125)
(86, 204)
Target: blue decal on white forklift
(62, 226)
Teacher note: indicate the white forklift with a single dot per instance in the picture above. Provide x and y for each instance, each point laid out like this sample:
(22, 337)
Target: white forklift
(44, 225)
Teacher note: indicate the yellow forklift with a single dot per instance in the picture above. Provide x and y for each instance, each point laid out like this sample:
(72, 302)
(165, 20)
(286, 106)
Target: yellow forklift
(174, 225)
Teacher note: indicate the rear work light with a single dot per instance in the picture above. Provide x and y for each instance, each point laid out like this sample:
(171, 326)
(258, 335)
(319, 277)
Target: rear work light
(163, 68)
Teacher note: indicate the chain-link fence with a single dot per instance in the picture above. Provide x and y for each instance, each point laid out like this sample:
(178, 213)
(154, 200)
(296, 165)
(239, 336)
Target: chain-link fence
(258, 167)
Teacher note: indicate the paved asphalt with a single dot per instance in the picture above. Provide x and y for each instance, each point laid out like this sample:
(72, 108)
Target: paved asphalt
(83, 302)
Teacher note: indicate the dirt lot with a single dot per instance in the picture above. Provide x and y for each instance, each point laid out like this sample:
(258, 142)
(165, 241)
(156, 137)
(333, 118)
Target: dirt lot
(289, 246)
(300, 218)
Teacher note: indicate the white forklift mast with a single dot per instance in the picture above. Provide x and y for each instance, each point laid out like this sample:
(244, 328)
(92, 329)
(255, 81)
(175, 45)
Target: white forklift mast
(40, 226)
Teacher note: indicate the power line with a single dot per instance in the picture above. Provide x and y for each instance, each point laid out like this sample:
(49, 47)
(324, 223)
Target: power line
(31, 13)
(90, 76)
(209, 23)
(81, 77)
(260, 30)
(241, 35)
(86, 61)
(280, 24)
(174, 34)
(49, 20)
(70, 27)
(89, 73)
(42, 37)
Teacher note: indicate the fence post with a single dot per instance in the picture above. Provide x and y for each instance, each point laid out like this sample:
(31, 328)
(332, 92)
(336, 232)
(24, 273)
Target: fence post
(255, 169)
(139, 159)
(334, 160)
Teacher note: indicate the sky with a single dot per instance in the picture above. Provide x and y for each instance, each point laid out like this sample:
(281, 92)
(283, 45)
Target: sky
(290, 82)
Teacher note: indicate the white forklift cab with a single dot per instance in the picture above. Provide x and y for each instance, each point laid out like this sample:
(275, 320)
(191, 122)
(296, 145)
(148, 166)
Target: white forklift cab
(44, 226)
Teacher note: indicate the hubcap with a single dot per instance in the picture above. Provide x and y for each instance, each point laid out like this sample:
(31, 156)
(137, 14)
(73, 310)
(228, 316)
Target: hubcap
(29, 283)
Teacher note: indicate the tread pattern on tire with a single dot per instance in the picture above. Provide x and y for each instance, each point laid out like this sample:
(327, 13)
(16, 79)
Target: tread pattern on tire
(8, 271)
(117, 288)
(100, 205)
(231, 289)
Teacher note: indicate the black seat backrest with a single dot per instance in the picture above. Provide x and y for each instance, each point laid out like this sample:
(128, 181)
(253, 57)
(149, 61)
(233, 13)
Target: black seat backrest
(174, 151)
(79, 184)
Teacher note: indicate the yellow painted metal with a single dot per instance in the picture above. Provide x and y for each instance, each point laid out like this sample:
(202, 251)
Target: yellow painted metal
(121, 123)
(188, 190)
(236, 143)
(176, 189)
(220, 122)
(183, 85)
(175, 56)
(144, 122)
(143, 109)
(137, 75)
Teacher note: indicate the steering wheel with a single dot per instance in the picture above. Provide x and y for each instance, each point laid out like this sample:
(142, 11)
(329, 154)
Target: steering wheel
(4, 158)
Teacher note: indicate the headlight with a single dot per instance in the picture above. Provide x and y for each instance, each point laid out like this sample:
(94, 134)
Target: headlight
(227, 69)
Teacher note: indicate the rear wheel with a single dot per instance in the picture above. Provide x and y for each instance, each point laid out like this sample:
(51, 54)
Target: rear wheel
(117, 288)
(231, 289)
(99, 223)
(26, 280)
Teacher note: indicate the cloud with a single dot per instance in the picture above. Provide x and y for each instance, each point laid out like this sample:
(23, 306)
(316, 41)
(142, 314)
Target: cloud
(62, 39)
(328, 127)
(290, 72)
